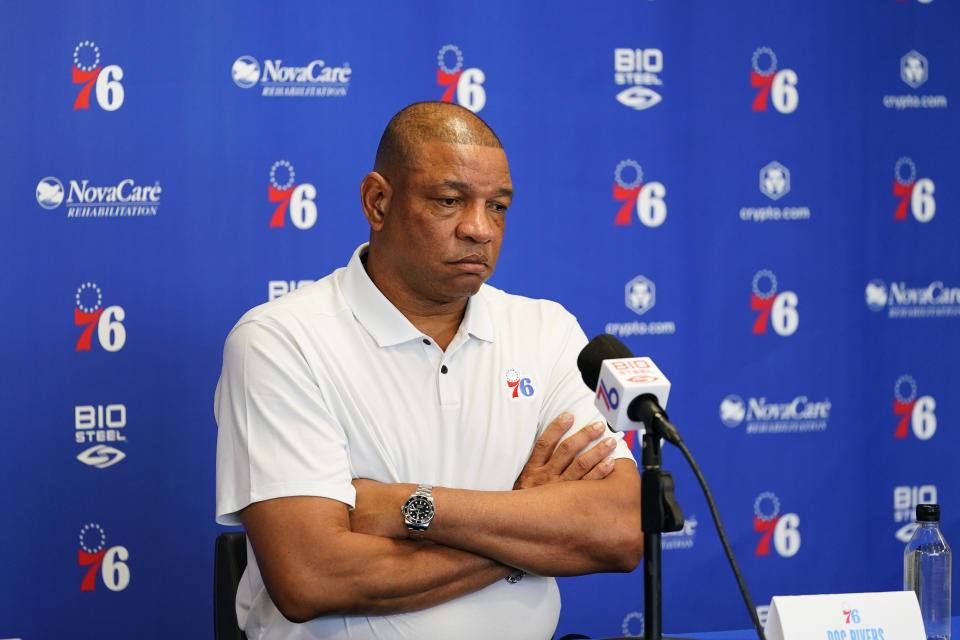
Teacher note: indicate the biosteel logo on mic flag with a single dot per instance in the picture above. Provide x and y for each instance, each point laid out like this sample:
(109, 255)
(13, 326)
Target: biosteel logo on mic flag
(623, 379)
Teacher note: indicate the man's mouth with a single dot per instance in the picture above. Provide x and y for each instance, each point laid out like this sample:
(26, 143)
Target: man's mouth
(474, 263)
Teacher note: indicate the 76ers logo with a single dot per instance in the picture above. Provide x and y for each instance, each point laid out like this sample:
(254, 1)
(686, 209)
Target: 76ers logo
(647, 199)
(466, 83)
(108, 322)
(111, 562)
(779, 310)
(519, 385)
(919, 412)
(779, 87)
(782, 529)
(88, 72)
(917, 193)
(298, 198)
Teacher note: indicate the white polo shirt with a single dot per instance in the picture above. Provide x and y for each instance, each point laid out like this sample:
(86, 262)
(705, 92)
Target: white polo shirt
(331, 383)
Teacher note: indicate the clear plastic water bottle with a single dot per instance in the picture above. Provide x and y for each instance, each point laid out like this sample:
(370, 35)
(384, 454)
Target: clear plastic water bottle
(926, 572)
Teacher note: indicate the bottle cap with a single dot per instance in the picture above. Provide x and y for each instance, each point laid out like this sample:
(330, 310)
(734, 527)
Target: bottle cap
(928, 513)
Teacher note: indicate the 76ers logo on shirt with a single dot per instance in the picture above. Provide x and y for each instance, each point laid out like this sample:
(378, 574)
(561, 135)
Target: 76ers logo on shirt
(917, 194)
(466, 85)
(518, 384)
(777, 309)
(647, 199)
(88, 72)
(783, 529)
(108, 322)
(918, 412)
(297, 197)
(109, 562)
(778, 87)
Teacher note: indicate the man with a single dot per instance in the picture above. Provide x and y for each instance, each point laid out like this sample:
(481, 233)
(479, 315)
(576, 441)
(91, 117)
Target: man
(388, 435)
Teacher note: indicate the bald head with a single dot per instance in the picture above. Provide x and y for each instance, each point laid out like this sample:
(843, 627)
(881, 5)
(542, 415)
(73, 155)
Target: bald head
(425, 122)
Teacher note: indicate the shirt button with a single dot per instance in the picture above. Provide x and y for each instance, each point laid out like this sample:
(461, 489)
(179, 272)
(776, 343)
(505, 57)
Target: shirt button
(425, 341)
(443, 369)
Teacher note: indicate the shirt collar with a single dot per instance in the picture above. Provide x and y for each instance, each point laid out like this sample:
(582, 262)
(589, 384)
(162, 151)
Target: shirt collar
(385, 322)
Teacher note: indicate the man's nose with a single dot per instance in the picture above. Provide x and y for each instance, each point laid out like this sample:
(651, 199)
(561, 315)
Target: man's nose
(477, 224)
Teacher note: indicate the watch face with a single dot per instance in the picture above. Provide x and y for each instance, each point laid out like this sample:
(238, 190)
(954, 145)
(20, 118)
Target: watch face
(418, 510)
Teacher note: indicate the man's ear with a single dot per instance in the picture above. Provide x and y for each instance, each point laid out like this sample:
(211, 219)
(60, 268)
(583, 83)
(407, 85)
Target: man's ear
(375, 194)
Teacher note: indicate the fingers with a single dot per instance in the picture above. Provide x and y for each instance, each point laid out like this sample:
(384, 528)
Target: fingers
(601, 470)
(588, 462)
(546, 443)
(569, 448)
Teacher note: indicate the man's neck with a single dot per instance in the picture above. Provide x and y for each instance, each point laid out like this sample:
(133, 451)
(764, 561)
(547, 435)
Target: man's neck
(441, 325)
(439, 320)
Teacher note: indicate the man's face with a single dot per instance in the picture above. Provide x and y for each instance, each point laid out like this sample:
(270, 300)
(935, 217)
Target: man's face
(445, 220)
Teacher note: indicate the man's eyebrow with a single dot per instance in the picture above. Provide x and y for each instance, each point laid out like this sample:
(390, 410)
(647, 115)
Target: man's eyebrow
(463, 186)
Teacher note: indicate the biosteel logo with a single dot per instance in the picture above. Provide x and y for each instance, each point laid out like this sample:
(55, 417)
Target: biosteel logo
(638, 70)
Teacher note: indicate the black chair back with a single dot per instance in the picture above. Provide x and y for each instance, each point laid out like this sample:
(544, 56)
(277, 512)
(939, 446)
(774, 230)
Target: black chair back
(229, 561)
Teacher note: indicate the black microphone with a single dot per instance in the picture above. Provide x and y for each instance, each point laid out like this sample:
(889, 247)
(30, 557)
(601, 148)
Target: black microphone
(631, 391)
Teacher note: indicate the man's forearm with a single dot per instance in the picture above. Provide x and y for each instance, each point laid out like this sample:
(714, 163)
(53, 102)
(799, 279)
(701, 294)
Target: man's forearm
(313, 565)
(561, 528)
(568, 528)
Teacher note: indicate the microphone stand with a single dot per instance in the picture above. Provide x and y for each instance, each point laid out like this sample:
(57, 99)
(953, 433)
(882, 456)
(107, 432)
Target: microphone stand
(660, 512)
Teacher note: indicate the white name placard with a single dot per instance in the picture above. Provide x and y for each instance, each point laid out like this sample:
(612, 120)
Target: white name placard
(893, 615)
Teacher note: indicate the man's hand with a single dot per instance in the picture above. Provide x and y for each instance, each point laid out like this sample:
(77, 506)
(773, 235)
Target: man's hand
(551, 463)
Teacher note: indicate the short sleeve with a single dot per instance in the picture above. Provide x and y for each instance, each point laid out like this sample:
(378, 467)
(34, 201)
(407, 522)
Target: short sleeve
(567, 390)
(276, 436)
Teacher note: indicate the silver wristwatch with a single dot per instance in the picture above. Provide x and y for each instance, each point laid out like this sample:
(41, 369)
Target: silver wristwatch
(418, 511)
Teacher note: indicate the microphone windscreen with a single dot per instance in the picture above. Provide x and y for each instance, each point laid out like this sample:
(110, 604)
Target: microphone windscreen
(603, 347)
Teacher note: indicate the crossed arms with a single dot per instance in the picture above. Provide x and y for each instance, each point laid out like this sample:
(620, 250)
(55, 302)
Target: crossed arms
(568, 514)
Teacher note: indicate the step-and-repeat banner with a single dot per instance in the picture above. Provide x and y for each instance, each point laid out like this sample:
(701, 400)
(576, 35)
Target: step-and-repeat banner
(762, 196)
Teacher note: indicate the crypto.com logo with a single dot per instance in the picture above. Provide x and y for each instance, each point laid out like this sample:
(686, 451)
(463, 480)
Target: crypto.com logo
(640, 295)
(466, 84)
(778, 87)
(639, 69)
(647, 199)
(774, 180)
(914, 69)
(111, 562)
(778, 310)
(918, 194)
(108, 322)
(299, 198)
(918, 412)
(88, 72)
(783, 529)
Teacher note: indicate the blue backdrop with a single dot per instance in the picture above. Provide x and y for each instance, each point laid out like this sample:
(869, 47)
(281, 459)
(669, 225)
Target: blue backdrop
(759, 195)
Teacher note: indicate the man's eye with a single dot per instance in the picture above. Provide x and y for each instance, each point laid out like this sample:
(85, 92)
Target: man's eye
(448, 202)
(499, 208)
